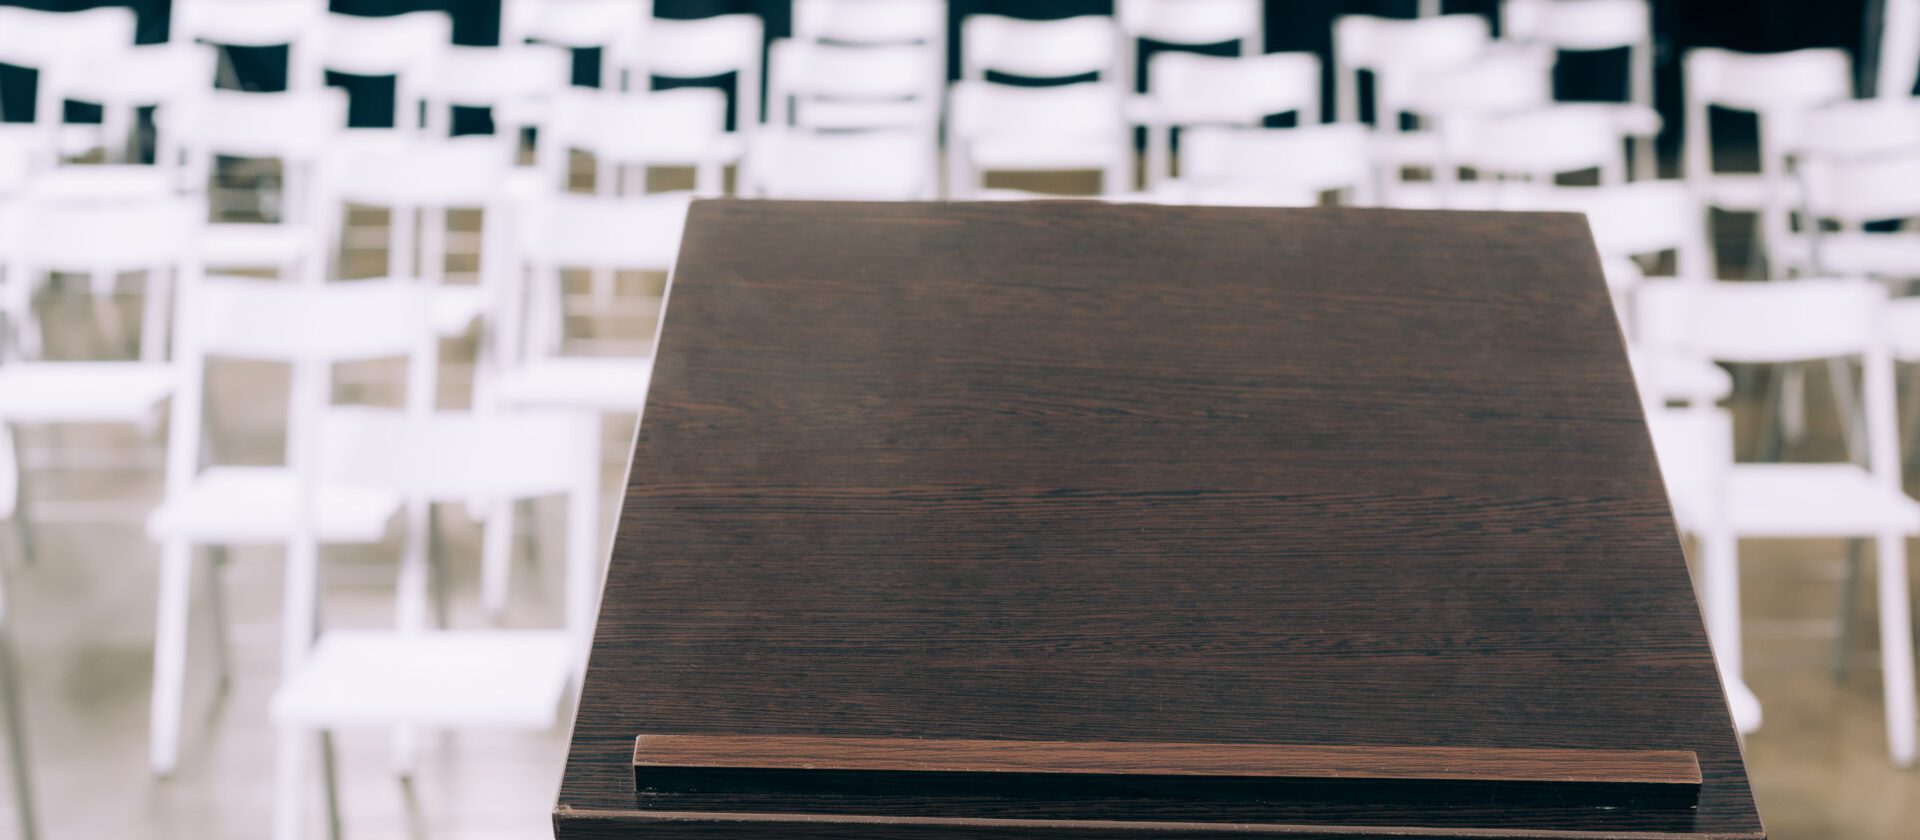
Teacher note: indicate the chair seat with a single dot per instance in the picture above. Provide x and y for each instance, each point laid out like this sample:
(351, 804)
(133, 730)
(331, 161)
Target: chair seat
(252, 245)
(239, 505)
(601, 384)
(82, 392)
(504, 679)
(1814, 500)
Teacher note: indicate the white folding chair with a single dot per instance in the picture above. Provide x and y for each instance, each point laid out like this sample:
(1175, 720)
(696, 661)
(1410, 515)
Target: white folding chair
(1517, 157)
(824, 85)
(1273, 167)
(608, 26)
(1188, 89)
(102, 221)
(310, 328)
(1060, 49)
(1842, 192)
(293, 24)
(1004, 128)
(62, 46)
(629, 134)
(873, 23)
(517, 84)
(403, 46)
(1194, 23)
(412, 677)
(1398, 53)
(699, 49)
(875, 165)
(1775, 323)
(1594, 25)
(296, 128)
(162, 76)
(636, 233)
(1779, 89)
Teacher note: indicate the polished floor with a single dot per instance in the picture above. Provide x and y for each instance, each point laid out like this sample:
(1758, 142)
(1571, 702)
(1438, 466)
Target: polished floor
(83, 621)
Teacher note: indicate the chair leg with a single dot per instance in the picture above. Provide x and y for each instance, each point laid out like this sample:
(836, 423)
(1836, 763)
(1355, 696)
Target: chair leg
(1770, 433)
(290, 784)
(23, 533)
(1720, 599)
(170, 656)
(1896, 647)
(330, 783)
(1793, 403)
(1849, 607)
(217, 605)
(1846, 402)
(16, 737)
(496, 556)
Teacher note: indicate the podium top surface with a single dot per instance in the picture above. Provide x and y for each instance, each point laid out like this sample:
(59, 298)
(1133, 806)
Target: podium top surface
(1331, 488)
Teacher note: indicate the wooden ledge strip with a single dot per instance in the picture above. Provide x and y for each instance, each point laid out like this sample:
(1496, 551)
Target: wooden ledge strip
(1106, 758)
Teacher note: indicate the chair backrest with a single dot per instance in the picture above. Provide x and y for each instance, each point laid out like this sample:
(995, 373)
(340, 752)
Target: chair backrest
(1039, 49)
(49, 40)
(1196, 22)
(1497, 83)
(1399, 52)
(871, 22)
(1090, 109)
(1540, 143)
(880, 165)
(638, 127)
(1779, 87)
(1276, 166)
(821, 85)
(1642, 218)
(1763, 323)
(1854, 189)
(584, 231)
(346, 321)
(247, 23)
(297, 125)
(1899, 50)
(389, 45)
(702, 47)
(1581, 25)
(441, 172)
(575, 24)
(1196, 89)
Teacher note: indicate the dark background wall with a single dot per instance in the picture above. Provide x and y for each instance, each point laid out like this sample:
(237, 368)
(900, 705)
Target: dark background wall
(1755, 25)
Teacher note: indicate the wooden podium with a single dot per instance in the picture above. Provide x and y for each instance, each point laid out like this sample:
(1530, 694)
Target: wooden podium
(1158, 523)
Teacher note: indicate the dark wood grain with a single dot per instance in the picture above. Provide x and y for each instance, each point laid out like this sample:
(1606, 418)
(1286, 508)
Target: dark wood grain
(935, 755)
(1075, 472)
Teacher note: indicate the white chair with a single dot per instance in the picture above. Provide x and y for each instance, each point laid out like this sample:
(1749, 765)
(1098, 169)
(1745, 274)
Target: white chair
(1398, 53)
(1004, 128)
(609, 26)
(310, 328)
(1447, 106)
(1780, 89)
(636, 233)
(63, 46)
(1188, 89)
(1062, 49)
(517, 84)
(162, 76)
(1517, 157)
(296, 128)
(404, 46)
(293, 24)
(1195, 23)
(877, 165)
(873, 23)
(704, 48)
(628, 134)
(829, 86)
(1273, 167)
(1774, 323)
(1593, 25)
(102, 221)
(412, 677)
(1843, 192)
(1695, 449)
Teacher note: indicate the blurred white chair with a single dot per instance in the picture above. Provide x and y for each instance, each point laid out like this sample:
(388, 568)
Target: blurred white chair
(703, 48)
(256, 23)
(1447, 105)
(608, 26)
(1273, 167)
(296, 128)
(829, 86)
(630, 133)
(1593, 25)
(1061, 49)
(412, 677)
(26, 823)
(634, 233)
(1194, 23)
(876, 165)
(1398, 53)
(1187, 90)
(1776, 323)
(62, 46)
(1843, 191)
(1004, 128)
(1780, 89)
(1517, 157)
(1898, 52)
(162, 76)
(873, 23)
(404, 46)
(516, 84)
(102, 222)
(309, 328)
(1695, 448)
